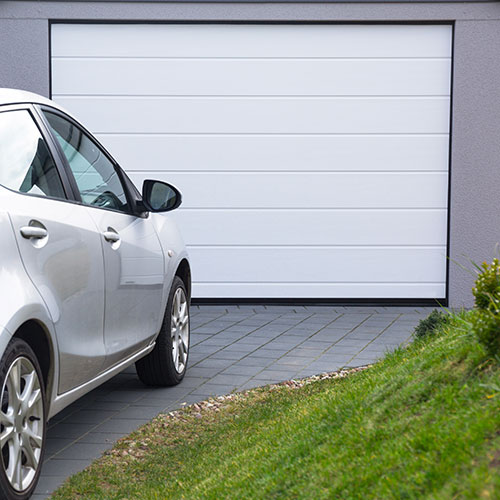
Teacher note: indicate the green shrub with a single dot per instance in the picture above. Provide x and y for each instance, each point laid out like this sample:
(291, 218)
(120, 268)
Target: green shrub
(485, 320)
(486, 327)
(487, 287)
(430, 324)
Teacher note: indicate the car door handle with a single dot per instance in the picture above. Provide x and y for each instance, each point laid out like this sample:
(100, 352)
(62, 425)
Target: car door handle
(111, 236)
(35, 232)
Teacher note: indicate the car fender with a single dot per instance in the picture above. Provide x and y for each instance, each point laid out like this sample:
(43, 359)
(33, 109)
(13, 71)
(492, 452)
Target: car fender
(174, 251)
(5, 337)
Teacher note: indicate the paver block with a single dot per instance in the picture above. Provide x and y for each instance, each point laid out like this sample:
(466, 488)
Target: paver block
(69, 430)
(106, 405)
(214, 389)
(353, 344)
(127, 396)
(83, 451)
(250, 341)
(363, 360)
(193, 398)
(90, 416)
(239, 369)
(160, 401)
(240, 348)
(141, 412)
(47, 485)
(231, 355)
(334, 359)
(226, 379)
(198, 371)
(64, 467)
(214, 363)
(100, 437)
(122, 425)
(55, 445)
(255, 361)
(315, 344)
(276, 375)
(321, 367)
(344, 349)
(189, 381)
(251, 384)
(294, 360)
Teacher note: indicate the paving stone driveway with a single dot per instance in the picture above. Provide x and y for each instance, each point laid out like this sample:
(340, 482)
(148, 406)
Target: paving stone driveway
(232, 348)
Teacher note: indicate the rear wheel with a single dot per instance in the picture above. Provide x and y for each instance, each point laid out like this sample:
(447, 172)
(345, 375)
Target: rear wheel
(166, 363)
(22, 421)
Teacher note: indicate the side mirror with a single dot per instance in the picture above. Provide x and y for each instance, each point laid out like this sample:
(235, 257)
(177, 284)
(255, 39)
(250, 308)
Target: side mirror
(159, 196)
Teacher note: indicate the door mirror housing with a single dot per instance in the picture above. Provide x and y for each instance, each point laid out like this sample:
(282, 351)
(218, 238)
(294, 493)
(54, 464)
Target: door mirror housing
(159, 196)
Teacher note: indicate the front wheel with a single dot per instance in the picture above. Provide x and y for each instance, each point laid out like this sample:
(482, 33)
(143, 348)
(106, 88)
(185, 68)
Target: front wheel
(22, 421)
(166, 363)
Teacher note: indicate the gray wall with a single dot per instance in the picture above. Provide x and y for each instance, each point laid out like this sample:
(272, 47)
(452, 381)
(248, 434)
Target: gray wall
(475, 158)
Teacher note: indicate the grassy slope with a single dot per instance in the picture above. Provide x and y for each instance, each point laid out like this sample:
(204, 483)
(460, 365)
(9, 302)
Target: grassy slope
(423, 423)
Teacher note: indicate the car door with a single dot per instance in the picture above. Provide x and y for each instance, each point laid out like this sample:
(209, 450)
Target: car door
(59, 245)
(133, 257)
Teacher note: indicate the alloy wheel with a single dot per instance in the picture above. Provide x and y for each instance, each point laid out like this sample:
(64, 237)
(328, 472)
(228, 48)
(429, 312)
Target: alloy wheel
(180, 330)
(21, 424)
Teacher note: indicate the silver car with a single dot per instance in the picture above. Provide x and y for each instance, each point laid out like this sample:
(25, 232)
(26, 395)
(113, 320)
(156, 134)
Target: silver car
(92, 277)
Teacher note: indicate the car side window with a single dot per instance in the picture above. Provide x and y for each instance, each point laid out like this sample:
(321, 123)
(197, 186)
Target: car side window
(96, 177)
(26, 164)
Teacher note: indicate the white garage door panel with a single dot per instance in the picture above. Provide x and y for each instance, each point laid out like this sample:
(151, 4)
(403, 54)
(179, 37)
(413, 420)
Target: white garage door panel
(316, 227)
(156, 153)
(262, 115)
(313, 159)
(314, 290)
(251, 77)
(223, 40)
(318, 264)
(307, 190)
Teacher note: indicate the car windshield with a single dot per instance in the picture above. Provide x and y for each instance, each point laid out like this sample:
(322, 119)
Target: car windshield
(97, 180)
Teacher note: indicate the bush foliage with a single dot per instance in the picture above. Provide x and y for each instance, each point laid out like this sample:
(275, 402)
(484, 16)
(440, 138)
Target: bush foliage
(486, 327)
(485, 320)
(487, 287)
(430, 324)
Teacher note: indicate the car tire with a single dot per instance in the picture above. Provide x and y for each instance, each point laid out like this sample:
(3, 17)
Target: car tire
(166, 364)
(23, 419)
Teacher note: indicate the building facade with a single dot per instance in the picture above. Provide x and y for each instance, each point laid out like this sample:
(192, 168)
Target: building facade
(333, 151)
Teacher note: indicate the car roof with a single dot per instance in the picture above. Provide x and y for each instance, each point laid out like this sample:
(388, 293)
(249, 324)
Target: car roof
(14, 96)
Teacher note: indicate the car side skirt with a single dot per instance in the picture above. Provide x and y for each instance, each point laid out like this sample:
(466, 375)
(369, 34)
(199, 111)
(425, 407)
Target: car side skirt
(63, 400)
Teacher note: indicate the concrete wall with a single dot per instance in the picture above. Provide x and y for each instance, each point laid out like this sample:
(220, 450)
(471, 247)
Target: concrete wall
(475, 155)
(475, 159)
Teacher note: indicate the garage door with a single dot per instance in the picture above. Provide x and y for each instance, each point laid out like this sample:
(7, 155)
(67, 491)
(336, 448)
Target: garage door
(313, 159)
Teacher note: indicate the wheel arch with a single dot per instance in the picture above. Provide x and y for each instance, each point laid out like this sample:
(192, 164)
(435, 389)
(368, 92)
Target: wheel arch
(184, 273)
(36, 335)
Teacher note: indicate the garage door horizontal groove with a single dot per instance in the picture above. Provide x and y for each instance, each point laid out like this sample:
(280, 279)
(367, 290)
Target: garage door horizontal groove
(171, 58)
(319, 209)
(326, 283)
(293, 172)
(313, 246)
(310, 208)
(286, 172)
(254, 96)
(287, 134)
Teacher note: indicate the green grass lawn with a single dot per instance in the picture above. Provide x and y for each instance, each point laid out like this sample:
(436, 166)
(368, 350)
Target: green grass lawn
(422, 423)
